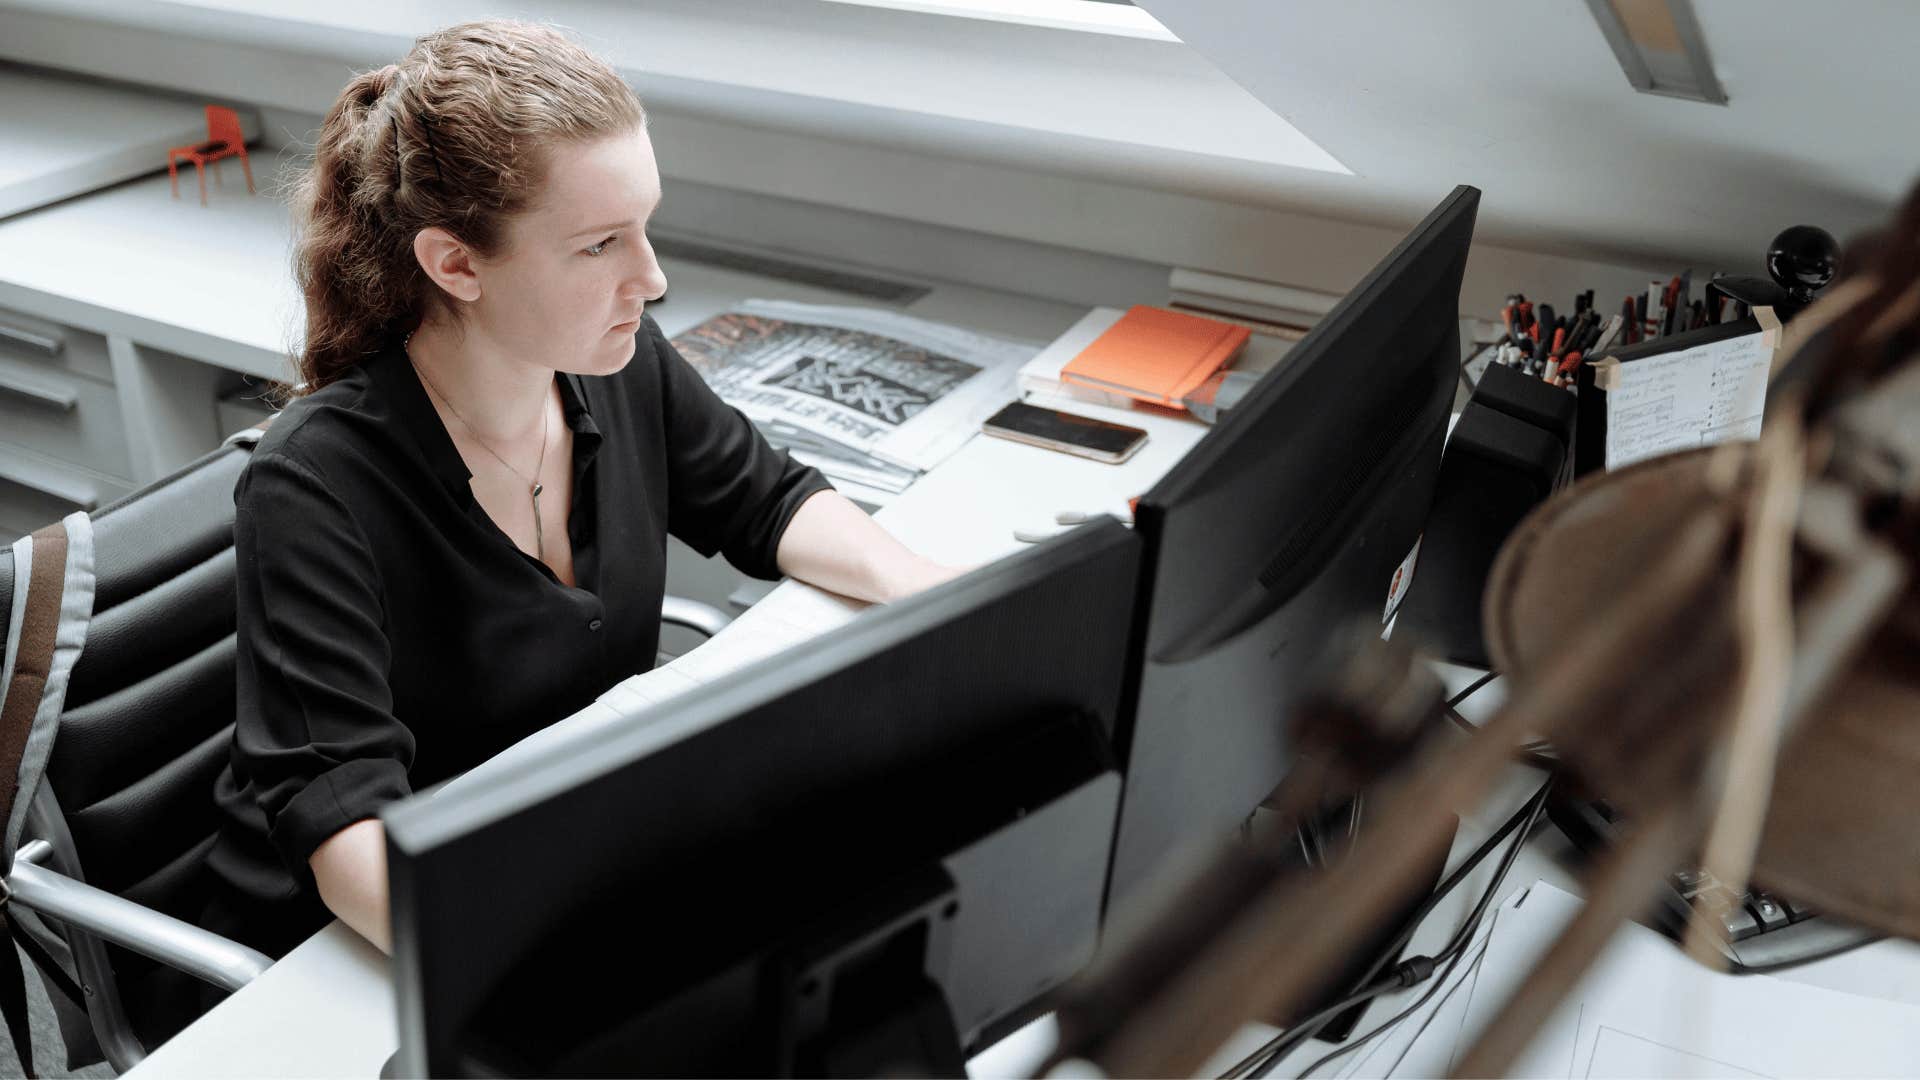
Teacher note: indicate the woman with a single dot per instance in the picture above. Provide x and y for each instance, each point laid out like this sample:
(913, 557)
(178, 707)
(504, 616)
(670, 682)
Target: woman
(458, 534)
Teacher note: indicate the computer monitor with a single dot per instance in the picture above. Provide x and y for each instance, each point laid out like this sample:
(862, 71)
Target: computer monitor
(1286, 521)
(877, 850)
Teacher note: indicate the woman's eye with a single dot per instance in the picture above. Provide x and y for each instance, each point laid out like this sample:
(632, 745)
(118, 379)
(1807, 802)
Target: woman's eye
(601, 247)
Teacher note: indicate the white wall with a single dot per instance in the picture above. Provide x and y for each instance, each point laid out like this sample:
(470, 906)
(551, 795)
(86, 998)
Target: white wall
(1089, 218)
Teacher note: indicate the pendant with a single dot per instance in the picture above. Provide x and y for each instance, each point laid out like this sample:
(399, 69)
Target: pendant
(539, 530)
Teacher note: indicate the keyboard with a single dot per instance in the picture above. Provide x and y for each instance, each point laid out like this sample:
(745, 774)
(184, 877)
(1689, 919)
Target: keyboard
(1758, 931)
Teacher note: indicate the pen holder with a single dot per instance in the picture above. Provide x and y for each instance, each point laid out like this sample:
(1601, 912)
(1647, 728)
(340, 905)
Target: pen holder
(1497, 468)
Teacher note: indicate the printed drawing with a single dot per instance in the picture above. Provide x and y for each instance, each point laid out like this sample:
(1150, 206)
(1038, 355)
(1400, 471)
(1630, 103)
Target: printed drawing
(865, 386)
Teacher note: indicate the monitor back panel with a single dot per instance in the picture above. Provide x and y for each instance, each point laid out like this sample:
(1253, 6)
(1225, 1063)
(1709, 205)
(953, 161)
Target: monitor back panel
(1286, 522)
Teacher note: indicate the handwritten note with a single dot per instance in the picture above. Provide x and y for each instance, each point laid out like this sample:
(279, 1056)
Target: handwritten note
(1708, 394)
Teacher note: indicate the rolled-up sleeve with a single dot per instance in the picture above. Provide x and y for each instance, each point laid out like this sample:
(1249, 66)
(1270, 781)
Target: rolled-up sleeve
(315, 731)
(728, 490)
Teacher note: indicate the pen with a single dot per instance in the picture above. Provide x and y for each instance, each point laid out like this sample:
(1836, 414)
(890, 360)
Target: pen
(1578, 338)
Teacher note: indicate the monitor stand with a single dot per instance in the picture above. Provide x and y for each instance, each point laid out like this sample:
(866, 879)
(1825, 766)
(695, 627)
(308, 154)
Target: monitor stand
(860, 995)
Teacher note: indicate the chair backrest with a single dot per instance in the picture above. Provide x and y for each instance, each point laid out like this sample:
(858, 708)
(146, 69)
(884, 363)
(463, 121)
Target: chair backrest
(150, 704)
(223, 125)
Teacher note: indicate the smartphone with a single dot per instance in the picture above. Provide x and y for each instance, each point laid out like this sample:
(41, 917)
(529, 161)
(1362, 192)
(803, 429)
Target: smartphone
(1082, 436)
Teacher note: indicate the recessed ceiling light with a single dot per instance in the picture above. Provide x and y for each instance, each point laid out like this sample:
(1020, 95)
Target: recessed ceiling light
(1660, 47)
(1097, 16)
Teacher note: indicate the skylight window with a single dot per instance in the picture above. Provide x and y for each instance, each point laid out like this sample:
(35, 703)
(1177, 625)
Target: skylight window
(1094, 16)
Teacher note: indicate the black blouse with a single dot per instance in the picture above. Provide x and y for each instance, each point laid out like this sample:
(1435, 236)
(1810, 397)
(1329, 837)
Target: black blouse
(391, 636)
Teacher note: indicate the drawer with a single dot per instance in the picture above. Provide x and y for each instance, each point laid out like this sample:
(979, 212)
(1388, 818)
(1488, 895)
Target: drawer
(35, 490)
(40, 343)
(23, 509)
(59, 415)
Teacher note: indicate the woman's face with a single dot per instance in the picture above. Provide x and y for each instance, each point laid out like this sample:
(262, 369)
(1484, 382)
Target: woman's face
(577, 269)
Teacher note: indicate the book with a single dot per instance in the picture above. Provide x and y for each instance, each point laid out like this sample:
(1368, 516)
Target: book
(1039, 378)
(1155, 355)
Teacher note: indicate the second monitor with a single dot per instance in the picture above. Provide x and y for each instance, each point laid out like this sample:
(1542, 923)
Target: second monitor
(1285, 522)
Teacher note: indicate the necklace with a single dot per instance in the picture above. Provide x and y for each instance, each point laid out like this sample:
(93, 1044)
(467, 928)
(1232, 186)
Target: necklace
(534, 487)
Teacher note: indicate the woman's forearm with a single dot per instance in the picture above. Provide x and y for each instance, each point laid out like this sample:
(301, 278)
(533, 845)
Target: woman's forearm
(832, 544)
(351, 870)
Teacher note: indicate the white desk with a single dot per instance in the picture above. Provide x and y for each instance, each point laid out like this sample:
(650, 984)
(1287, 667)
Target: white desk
(327, 1008)
(61, 136)
(318, 1006)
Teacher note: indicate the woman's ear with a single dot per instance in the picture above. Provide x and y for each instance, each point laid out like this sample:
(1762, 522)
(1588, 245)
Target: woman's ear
(448, 262)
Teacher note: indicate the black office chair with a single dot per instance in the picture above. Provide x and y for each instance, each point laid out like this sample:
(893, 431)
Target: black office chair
(146, 726)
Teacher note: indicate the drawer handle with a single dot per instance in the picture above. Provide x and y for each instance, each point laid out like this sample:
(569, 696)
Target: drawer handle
(57, 397)
(45, 343)
(73, 494)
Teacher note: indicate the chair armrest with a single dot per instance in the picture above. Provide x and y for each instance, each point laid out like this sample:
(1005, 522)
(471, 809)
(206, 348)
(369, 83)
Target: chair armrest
(179, 945)
(694, 615)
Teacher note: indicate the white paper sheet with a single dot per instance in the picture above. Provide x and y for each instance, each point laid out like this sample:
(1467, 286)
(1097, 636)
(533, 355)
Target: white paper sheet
(1644, 1009)
(1691, 397)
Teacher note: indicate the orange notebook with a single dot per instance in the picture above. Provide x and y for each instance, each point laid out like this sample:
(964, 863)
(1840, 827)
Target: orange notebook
(1156, 355)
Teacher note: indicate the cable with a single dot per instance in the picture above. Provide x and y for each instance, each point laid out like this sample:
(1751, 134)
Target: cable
(1410, 972)
(1284, 1043)
(1537, 753)
(1535, 806)
(1456, 947)
(1361, 1040)
(1454, 701)
(1365, 994)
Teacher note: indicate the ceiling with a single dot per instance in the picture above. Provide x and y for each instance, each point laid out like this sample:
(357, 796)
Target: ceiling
(1524, 99)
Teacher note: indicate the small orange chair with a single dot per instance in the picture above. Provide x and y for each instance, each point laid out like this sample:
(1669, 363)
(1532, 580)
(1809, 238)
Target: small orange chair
(224, 139)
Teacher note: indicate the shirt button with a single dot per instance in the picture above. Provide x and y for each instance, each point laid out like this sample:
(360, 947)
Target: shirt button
(594, 624)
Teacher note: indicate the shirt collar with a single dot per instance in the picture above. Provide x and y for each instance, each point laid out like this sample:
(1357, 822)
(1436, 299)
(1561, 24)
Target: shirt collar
(573, 406)
(400, 384)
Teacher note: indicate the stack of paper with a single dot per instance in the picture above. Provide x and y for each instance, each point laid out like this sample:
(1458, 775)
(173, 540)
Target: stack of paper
(866, 395)
(1644, 1010)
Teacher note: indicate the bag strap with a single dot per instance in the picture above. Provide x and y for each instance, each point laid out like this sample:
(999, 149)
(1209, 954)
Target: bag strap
(27, 684)
(33, 660)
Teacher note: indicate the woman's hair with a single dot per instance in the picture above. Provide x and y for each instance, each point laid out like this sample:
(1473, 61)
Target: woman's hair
(456, 135)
